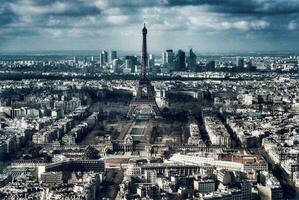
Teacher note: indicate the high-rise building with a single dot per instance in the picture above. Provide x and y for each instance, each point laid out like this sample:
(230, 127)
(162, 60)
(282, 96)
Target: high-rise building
(116, 63)
(133, 59)
(103, 58)
(151, 61)
(75, 59)
(211, 65)
(180, 61)
(113, 55)
(191, 59)
(129, 65)
(240, 62)
(168, 57)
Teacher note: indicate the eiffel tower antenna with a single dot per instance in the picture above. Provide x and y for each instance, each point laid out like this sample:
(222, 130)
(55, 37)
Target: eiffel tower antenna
(144, 53)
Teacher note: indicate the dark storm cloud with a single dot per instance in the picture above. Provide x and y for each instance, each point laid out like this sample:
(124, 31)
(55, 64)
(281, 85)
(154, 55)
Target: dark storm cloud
(112, 19)
(254, 7)
(6, 15)
(14, 11)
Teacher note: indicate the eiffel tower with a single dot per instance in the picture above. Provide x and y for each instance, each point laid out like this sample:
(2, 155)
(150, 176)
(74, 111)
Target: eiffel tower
(144, 103)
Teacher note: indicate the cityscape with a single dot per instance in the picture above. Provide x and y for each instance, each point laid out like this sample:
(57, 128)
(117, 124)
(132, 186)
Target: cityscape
(127, 122)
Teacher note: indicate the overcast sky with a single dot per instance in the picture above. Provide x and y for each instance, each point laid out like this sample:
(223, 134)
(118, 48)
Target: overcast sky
(205, 25)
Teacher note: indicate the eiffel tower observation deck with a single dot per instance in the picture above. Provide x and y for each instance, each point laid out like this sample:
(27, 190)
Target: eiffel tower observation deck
(144, 103)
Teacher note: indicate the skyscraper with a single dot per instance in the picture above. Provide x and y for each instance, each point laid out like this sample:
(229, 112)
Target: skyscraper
(167, 57)
(103, 58)
(240, 62)
(116, 65)
(133, 58)
(211, 65)
(191, 59)
(129, 65)
(180, 61)
(113, 55)
(151, 61)
(75, 59)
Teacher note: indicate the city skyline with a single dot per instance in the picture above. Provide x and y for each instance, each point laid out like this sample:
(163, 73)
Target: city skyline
(180, 125)
(98, 24)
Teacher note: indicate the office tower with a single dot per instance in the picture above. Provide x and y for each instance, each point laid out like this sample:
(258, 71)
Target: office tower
(191, 59)
(240, 62)
(92, 59)
(167, 57)
(250, 66)
(85, 59)
(113, 55)
(163, 58)
(75, 59)
(211, 65)
(103, 58)
(116, 65)
(151, 61)
(133, 59)
(129, 65)
(180, 61)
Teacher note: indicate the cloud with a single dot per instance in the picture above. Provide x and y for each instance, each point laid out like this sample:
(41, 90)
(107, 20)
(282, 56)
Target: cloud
(292, 25)
(6, 15)
(12, 33)
(117, 20)
(104, 4)
(72, 8)
(246, 25)
(248, 7)
(54, 32)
